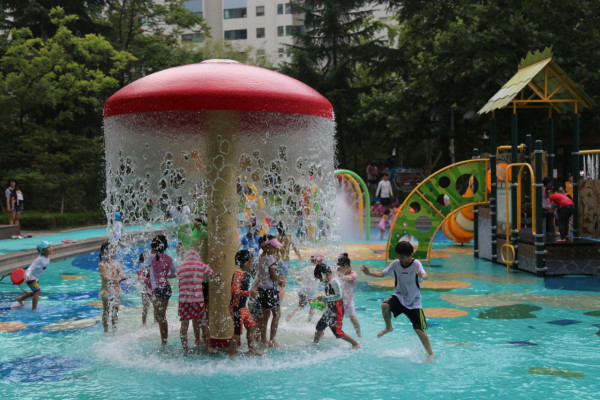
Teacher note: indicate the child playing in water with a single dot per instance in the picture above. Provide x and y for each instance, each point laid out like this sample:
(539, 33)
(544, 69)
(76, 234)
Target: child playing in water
(384, 222)
(308, 286)
(408, 272)
(161, 269)
(283, 258)
(266, 285)
(33, 273)
(334, 313)
(348, 279)
(191, 273)
(111, 274)
(143, 274)
(240, 283)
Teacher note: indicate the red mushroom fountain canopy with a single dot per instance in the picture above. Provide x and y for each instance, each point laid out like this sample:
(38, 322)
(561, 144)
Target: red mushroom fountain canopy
(218, 85)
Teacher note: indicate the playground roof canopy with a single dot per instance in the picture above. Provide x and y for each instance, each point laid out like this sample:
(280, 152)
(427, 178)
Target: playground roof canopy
(549, 87)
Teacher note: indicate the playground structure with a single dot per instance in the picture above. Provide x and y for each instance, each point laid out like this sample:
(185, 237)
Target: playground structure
(501, 233)
(435, 200)
(363, 199)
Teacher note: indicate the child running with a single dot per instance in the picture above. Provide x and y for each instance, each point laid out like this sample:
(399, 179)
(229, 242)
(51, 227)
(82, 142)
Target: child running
(333, 315)
(408, 273)
(348, 278)
(240, 283)
(266, 285)
(161, 269)
(111, 275)
(191, 299)
(384, 222)
(33, 273)
(308, 286)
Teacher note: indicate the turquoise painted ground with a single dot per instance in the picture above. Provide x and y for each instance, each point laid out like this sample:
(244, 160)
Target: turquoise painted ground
(527, 350)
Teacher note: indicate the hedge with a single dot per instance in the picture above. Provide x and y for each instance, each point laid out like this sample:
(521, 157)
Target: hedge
(39, 220)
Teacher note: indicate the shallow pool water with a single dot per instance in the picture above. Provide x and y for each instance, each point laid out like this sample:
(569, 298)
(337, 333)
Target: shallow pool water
(495, 336)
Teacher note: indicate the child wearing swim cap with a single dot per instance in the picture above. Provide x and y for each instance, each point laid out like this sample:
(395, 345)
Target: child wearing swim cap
(33, 273)
(333, 315)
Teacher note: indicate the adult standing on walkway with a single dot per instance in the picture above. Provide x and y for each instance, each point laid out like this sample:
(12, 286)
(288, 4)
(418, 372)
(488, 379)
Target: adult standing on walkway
(565, 206)
(14, 202)
(384, 192)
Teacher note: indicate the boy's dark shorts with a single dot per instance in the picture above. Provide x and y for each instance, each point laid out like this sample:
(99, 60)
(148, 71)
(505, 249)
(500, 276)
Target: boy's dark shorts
(416, 315)
(385, 201)
(268, 298)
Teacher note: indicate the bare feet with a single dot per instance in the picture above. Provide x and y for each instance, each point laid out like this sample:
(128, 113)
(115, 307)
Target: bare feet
(383, 332)
(273, 343)
(356, 346)
(233, 355)
(255, 352)
(429, 358)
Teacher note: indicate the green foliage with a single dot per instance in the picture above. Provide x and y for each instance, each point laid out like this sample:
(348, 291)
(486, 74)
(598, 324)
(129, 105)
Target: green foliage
(37, 220)
(337, 41)
(53, 91)
(454, 55)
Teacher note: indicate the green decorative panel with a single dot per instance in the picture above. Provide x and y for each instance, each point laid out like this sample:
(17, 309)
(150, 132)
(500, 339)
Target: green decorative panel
(438, 196)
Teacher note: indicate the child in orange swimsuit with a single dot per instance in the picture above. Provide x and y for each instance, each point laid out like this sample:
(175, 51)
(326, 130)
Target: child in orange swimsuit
(240, 292)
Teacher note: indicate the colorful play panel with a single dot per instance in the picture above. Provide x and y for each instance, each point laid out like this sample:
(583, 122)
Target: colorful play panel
(491, 326)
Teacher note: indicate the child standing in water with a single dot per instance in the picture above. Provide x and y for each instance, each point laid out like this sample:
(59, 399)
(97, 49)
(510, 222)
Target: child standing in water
(145, 286)
(333, 315)
(308, 286)
(384, 222)
(111, 274)
(283, 258)
(161, 269)
(408, 273)
(266, 285)
(191, 298)
(33, 273)
(348, 278)
(240, 283)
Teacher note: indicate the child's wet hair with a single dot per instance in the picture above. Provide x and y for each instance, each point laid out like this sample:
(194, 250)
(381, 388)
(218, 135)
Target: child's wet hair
(141, 258)
(343, 259)
(387, 211)
(242, 257)
(321, 270)
(404, 248)
(159, 245)
(104, 249)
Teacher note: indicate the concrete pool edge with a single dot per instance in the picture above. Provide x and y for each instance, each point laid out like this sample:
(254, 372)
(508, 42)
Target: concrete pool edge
(23, 258)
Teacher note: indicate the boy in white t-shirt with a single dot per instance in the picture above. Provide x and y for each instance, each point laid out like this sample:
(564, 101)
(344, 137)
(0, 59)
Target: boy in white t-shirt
(33, 273)
(408, 273)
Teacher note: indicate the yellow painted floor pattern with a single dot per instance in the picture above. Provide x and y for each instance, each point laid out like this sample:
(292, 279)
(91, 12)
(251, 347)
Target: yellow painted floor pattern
(11, 326)
(576, 301)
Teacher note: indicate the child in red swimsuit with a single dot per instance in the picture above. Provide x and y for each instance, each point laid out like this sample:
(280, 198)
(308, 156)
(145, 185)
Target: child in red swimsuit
(240, 292)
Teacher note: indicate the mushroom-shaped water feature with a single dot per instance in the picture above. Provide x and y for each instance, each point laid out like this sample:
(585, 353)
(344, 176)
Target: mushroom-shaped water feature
(198, 133)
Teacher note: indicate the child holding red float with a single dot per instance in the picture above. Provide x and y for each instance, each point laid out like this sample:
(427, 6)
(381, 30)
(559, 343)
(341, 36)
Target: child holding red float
(33, 273)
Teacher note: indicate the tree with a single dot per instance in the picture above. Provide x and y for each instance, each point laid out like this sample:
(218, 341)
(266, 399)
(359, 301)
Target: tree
(454, 55)
(35, 15)
(337, 39)
(52, 92)
(151, 31)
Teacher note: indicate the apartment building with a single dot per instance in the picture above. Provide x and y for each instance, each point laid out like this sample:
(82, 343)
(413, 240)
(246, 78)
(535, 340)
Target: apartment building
(265, 25)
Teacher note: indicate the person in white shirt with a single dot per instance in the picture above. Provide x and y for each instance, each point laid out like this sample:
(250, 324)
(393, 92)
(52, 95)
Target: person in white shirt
(408, 274)
(384, 192)
(33, 273)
